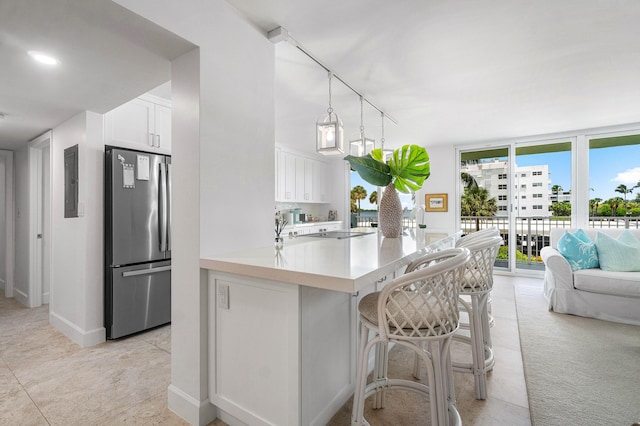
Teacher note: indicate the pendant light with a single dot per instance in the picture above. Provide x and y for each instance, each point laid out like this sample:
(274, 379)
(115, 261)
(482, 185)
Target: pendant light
(329, 131)
(363, 145)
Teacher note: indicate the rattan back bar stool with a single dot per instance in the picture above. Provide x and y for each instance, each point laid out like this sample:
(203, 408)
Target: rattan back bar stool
(416, 310)
(476, 285)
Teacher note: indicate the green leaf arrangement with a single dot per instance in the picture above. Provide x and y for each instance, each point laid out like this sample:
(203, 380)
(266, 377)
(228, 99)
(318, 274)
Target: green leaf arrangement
(407, 168)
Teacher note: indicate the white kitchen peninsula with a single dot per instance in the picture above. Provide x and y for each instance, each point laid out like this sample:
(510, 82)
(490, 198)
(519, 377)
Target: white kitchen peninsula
(283, 324)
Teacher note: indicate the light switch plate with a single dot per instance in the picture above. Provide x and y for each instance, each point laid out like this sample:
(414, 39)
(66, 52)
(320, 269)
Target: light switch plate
(223, 296)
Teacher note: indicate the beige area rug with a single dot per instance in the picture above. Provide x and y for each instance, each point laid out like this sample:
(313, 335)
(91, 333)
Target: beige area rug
(579, 371)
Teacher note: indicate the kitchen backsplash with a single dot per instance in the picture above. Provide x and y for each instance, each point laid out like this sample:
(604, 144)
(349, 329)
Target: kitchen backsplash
(318, 212)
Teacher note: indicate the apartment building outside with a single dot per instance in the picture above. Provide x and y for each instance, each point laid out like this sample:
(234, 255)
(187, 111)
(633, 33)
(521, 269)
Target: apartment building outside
(531, 190)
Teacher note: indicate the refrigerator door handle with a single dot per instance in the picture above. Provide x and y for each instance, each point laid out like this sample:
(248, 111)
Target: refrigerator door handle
(168, 183)
(163, 207)
(146, 271)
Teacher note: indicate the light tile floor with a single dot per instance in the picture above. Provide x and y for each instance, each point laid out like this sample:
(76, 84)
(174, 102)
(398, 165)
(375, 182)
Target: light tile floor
(47, 379)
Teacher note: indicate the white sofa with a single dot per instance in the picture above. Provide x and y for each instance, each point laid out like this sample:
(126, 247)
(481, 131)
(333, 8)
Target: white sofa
(611, 296)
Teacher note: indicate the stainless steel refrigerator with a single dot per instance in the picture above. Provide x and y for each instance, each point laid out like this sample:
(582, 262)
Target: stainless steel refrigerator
(137, 241)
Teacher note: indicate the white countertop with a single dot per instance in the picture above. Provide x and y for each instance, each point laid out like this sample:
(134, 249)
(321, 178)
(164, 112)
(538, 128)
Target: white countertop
(346, 265)
(303, 224)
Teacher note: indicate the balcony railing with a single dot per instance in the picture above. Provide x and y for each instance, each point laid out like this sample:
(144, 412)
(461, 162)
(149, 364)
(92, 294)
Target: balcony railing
(532, 232)
(368, 220)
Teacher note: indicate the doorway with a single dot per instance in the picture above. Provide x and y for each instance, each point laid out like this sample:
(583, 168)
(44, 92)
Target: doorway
(40, 220)
(485, 195)
(7, 203)
(523, 190)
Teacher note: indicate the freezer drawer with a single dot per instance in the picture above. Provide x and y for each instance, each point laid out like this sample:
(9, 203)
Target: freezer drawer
(139, 297)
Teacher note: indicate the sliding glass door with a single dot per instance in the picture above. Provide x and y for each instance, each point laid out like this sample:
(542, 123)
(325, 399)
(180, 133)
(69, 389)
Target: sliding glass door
(485, 194)
(542, 198)
(523, 190)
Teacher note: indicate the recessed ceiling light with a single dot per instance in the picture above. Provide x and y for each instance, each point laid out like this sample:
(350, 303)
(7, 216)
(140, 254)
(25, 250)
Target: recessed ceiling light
(43, 58)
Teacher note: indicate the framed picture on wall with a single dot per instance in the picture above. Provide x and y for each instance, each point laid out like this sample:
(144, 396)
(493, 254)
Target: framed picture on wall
(436, 202)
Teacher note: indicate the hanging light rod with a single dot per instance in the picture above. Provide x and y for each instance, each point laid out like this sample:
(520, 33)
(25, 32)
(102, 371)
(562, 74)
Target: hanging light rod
(281, 34)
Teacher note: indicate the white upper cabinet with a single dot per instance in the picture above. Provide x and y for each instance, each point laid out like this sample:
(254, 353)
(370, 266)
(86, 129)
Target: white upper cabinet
(143, 123)
(299, 179)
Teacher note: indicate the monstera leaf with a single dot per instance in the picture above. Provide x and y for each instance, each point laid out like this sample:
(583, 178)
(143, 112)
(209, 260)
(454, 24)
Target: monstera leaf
(371, 170)
(407, 168)
(410, 167)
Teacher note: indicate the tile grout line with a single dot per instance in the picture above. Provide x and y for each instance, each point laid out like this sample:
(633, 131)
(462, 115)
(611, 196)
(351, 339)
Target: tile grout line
(25, 391)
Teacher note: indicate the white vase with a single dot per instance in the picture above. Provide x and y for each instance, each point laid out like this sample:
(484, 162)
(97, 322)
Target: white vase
(390, 212)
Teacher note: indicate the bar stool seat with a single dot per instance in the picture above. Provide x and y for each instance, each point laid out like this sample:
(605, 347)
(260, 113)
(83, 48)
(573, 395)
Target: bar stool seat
(418, 310)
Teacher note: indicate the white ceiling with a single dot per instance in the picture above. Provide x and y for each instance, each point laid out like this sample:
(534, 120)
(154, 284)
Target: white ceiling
(107, 56)
(448, 71)
(457, 71)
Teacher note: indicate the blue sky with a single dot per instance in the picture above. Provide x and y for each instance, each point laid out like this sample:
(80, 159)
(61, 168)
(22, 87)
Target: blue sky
(608, 168)
(405, 199)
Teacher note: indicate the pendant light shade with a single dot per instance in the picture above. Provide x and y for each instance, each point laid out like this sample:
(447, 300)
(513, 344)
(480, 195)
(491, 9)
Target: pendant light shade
(329, 131)
(361, 145)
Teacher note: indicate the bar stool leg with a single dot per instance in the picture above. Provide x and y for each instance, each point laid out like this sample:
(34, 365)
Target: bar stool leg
(380, 372)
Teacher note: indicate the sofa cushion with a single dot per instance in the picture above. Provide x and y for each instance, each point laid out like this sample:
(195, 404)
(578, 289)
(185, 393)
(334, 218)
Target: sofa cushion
(579, 250)
(621, 255)
(606, 282)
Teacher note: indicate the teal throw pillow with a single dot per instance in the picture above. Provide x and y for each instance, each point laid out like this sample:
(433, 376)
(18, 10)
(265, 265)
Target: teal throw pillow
(621, 255)
(579, 250)
(582, 236)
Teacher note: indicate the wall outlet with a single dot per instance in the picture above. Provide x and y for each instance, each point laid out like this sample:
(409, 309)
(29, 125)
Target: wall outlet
(223, 296)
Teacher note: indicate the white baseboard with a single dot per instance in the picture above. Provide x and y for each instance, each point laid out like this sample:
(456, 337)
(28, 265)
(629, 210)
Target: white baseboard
(194, 411)
(229, 419)
(21, 297)
(76, 334)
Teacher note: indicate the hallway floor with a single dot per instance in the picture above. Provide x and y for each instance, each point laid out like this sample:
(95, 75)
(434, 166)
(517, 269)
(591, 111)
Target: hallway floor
(47, 379)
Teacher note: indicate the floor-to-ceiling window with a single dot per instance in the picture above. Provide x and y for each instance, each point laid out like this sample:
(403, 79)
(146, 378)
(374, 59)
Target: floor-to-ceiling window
(524, 196)
(580, 179)
(485, 194)
(542, 198)
(614, 181)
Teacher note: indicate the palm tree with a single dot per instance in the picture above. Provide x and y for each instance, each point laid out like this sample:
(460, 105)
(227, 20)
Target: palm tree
(594, 203)
(358, 193)
(556, 189)
(476, 202)
(469, 181)
(622, 189)
(373, 198)
(614, 203)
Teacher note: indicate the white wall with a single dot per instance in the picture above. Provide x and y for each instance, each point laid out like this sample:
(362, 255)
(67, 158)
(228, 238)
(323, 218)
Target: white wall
(76, 305)
(21, 167)
(443, 180)
(3, 268)
(225, 176)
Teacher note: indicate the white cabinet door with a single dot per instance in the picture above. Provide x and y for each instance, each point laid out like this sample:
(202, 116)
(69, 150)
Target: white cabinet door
(300, 177)
(131, 125)
(333, 227)
(309, 184)
(163, 128)
(139, 124)
(288, 176)
(319, 177)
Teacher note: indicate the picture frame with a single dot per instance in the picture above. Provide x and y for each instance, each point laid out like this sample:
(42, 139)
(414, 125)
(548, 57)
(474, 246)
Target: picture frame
(436, 202)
